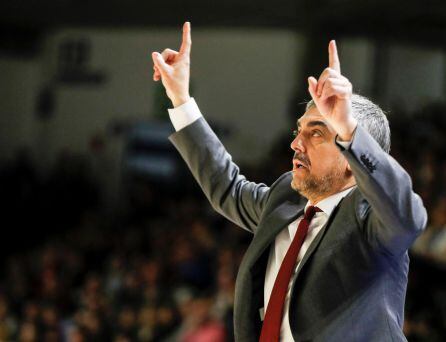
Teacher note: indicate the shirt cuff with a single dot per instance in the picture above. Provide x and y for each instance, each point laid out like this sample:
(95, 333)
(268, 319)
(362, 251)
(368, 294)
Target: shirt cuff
(185, 114)
(344, 144)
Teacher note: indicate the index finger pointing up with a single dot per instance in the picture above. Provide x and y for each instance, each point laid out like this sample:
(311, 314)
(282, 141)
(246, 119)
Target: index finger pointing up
(187, 40)
(333, 58)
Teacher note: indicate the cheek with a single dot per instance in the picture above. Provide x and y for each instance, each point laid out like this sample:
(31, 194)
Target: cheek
(325, 162)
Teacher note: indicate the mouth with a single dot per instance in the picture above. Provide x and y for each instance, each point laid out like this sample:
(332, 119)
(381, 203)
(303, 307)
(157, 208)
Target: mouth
(297, 164)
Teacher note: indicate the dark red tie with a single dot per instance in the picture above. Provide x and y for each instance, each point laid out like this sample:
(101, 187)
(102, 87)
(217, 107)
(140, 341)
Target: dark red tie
(273, 317)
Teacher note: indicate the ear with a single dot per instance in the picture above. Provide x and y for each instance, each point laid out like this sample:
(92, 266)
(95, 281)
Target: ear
(348, 169)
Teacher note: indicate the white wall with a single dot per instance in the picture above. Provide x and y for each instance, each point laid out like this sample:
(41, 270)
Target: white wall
(19, 82)
(416, 76)
(240, 78)
(357, 63)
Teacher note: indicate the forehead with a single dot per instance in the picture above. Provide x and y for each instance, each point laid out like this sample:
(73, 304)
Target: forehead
(312, 117)
(311, 114)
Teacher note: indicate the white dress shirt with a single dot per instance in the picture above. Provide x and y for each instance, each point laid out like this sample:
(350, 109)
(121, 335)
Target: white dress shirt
(186, 114)
(281, 245)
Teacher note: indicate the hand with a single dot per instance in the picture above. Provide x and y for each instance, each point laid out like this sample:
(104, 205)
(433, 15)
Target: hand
(173, 68)
(332, 96)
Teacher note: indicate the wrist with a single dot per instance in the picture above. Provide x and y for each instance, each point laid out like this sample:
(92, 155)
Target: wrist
(347, 132)
(178, 101)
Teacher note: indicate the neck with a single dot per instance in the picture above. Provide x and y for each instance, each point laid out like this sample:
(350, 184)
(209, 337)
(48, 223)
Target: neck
(317, 198)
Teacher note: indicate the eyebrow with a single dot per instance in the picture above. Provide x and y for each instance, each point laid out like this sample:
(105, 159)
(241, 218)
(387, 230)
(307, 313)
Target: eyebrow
(314, 123)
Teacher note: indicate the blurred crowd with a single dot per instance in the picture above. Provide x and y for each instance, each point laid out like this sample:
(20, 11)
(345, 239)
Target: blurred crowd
(419, 146)
(162, 266)
(163, 271)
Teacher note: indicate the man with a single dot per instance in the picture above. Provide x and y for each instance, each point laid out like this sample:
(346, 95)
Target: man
(328, 260)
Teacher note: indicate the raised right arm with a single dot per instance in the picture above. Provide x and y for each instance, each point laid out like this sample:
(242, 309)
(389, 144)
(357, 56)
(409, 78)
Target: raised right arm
(228, 191)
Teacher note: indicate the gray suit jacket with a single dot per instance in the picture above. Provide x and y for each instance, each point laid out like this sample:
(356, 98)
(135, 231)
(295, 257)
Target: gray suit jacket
(351, 283)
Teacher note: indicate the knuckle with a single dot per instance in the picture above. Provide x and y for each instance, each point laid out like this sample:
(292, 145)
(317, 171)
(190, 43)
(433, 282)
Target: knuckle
(333, 72)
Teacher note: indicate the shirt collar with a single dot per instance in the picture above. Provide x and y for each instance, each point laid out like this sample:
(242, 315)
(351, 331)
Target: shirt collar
(328, 204)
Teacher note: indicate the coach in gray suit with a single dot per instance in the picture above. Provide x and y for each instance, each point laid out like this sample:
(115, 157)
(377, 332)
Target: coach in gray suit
(348, 275)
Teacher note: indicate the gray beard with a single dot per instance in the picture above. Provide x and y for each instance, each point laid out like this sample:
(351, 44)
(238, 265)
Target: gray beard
(313, 187)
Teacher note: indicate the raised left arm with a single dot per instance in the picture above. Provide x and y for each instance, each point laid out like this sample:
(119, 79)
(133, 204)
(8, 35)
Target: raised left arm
(393, 214)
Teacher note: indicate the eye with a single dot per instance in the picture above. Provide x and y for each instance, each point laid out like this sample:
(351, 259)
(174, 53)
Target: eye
(316, 133)
(295, 133)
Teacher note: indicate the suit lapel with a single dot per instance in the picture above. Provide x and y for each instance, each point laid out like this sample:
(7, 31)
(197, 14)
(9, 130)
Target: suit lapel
(315, 243)
(280, 218)
(277, 220)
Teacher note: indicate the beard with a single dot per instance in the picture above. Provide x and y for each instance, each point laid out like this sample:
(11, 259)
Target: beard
(319, 186)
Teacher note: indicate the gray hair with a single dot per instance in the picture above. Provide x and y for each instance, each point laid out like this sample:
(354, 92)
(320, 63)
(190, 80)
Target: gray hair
(371, 117)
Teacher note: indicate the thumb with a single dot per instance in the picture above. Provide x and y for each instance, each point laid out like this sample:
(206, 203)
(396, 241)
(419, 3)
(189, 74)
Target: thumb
(312, 85)
(159, 62)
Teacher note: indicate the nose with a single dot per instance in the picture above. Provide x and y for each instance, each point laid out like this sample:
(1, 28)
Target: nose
(297, 144)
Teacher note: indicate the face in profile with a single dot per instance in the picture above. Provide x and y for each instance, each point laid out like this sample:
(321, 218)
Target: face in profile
(319, 168)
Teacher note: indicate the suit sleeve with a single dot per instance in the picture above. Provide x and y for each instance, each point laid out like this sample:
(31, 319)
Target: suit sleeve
(219, 177)
(395, 215)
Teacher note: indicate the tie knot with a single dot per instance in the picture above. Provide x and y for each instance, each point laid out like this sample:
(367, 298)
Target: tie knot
(309, 213)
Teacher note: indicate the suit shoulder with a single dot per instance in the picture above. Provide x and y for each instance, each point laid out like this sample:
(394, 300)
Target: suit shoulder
(361, 205)
(281, 190)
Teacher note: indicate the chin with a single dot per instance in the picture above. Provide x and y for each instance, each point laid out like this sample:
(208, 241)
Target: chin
(297, 181)
(295, 185)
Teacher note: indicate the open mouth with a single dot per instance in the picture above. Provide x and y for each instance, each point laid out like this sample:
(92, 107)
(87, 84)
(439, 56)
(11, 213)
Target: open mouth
(297, 164)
